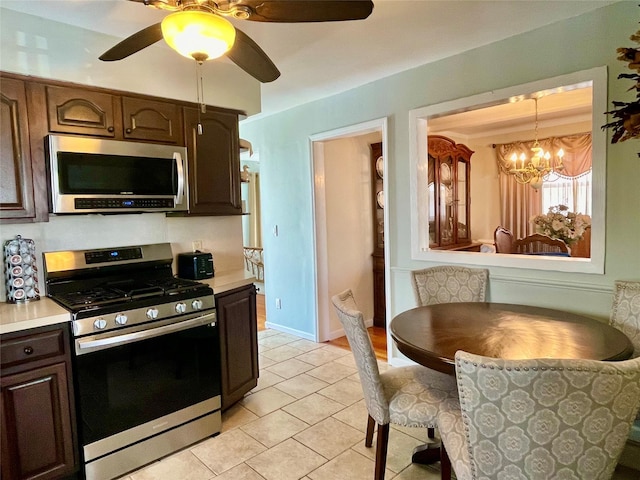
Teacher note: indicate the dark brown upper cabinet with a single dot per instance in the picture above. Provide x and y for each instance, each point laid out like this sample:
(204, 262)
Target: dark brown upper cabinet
(214, 162)
(87, 112)
(16, 176)
(153, 121)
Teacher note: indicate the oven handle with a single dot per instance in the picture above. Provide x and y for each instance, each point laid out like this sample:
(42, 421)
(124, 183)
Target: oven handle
(84, 346)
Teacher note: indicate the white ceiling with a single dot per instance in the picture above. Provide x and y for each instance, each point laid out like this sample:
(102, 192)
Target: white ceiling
(321, 59)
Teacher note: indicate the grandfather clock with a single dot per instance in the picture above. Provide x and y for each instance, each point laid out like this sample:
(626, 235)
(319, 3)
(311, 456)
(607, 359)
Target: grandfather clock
(377, 173)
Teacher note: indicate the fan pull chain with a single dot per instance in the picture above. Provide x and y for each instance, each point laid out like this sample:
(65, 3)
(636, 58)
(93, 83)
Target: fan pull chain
(200, 94)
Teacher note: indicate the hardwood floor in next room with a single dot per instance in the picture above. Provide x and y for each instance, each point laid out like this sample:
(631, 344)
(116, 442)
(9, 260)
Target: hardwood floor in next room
(378, 335)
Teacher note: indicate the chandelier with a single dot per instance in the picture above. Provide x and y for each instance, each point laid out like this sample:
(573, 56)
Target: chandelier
(538, 166)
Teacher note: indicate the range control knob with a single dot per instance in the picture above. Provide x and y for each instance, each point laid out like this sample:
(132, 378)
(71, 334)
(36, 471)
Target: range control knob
(196, 304)
(121, 319)
(181, 307)
(152, 313)
(100, 324)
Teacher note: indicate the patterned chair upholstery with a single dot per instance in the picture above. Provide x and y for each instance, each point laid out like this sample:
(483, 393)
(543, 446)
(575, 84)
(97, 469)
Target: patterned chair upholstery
(539, 419)
(407, 396)
(449, 284)
(625, 316)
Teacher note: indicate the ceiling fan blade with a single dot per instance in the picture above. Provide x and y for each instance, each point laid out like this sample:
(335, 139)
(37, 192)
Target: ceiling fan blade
(133, 44)
(293, 11)
(251, 58)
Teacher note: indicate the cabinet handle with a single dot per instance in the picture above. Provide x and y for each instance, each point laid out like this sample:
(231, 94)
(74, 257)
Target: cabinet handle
(128, 130)
(110, 129)
(28, 350)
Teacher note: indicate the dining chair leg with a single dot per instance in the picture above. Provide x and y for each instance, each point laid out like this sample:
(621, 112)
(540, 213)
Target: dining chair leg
(445, 464)
(381, 451)
(368, 440)
(431, 432)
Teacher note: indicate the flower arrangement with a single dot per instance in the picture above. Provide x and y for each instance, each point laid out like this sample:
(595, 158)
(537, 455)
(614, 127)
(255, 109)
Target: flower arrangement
(560, 223)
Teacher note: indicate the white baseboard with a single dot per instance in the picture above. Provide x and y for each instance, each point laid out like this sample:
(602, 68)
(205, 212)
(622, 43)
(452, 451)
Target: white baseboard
(290, 331)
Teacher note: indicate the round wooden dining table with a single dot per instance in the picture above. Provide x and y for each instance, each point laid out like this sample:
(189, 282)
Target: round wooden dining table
(432, 334)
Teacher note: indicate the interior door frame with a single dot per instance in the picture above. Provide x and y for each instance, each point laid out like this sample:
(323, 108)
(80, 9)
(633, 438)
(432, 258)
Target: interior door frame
(318, 189)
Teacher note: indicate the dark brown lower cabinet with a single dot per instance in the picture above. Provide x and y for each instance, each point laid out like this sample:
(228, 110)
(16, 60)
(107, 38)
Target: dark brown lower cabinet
(237, 320)
(38, 434)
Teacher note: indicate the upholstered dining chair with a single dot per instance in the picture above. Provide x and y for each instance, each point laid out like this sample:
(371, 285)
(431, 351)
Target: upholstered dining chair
(625, 313)
(542, 418)
(449, 284)
(408, 396)
(625, 316)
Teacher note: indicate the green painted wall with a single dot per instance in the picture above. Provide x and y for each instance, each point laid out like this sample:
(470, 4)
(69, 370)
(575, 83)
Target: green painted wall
(283, 141)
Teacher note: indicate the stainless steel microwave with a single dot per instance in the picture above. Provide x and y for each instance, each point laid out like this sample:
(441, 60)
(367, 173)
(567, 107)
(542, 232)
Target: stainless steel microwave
(92, 175)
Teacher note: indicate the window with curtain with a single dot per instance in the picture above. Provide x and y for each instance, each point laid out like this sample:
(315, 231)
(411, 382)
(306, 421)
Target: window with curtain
(574, 192)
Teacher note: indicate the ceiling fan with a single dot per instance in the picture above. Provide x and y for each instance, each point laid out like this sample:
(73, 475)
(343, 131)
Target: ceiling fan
(217, 36)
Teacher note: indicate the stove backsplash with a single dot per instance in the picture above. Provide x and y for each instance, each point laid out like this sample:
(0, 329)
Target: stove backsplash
(221, 236)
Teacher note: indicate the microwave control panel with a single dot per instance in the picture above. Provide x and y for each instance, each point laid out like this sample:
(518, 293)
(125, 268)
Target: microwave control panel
(122, 203)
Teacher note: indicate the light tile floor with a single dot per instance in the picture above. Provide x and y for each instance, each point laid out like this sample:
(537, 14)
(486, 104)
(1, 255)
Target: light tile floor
(305, 420)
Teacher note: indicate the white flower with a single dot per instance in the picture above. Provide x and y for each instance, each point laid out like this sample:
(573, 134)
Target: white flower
(560, 223)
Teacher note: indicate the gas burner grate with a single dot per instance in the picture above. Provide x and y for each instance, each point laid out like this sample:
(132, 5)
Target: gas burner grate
(176, 285)
(93, 297)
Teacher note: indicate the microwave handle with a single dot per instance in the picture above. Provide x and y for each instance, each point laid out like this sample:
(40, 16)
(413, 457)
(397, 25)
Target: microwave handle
(180, 169)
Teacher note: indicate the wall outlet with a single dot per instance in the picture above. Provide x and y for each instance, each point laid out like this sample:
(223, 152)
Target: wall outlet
(278, 304)
(196, 245)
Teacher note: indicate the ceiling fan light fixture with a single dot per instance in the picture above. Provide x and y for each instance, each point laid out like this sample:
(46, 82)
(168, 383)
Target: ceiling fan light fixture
(198, 35)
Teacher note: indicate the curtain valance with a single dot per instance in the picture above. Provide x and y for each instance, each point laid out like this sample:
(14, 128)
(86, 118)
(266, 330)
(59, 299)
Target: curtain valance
(577, 153)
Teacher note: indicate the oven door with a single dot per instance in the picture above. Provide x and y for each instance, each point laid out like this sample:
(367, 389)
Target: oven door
(135, 383)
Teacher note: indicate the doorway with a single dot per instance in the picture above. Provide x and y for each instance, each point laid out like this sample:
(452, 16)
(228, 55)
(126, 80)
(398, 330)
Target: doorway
(343, 219)
(252, 225)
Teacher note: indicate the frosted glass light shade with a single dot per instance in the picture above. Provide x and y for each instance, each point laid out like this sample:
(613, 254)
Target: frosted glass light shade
(198, 35)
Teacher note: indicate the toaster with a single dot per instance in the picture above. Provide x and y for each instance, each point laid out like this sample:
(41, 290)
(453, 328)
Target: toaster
(195, 265)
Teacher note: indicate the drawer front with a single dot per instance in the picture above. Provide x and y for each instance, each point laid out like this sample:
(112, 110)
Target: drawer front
(31, 347)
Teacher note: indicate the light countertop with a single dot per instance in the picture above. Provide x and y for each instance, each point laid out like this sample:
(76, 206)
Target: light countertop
(225, 281)
(38, 313)
(43, 312)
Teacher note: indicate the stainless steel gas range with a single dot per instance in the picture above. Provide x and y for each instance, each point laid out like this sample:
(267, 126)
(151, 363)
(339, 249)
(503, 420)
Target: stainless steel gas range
(147, 359)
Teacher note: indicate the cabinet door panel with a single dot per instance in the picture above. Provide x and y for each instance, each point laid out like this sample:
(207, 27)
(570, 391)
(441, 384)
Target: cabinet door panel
(154, 121)
(72, 110)
(16, 178)
(214, 163)
(238, 343)
(37, 424)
